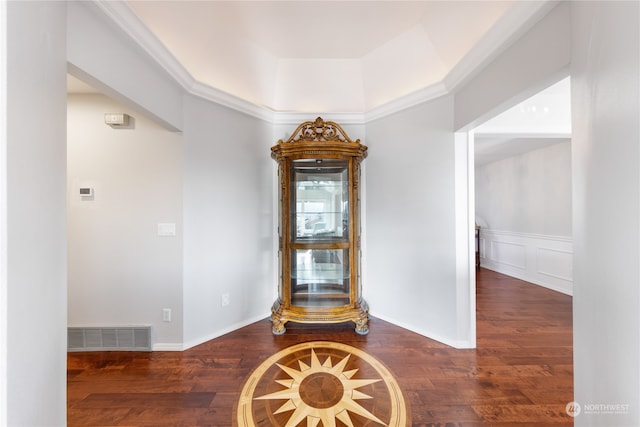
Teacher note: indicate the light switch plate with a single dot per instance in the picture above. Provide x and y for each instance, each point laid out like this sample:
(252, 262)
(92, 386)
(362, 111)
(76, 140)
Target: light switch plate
(166, 229)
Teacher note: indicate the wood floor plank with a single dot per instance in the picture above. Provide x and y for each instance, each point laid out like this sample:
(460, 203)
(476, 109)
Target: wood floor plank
(520, 374)
(147, 400)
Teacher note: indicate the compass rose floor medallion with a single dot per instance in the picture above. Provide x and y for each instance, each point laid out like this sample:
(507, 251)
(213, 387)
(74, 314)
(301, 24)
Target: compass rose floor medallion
(321, 383)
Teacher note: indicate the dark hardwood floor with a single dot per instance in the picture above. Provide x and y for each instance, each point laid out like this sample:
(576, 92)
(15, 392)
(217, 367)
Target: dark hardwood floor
(520, 374)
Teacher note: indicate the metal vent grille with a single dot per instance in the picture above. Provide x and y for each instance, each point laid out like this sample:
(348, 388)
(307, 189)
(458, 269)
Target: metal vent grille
(127, 338)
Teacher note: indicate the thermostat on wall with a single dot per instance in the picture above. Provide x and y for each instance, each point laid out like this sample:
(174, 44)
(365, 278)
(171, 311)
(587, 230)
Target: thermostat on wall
(86, 192)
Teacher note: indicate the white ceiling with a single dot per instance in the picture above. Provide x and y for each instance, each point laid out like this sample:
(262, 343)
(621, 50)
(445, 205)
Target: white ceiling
(537, 122)
(341, 56)
(307, 56)
(314, 29)
(345, 56)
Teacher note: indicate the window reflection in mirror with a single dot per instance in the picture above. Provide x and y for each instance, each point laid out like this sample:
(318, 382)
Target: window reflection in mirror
(320, 200)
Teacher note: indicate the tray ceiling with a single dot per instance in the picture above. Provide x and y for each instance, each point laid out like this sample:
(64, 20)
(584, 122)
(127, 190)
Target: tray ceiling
(339, 56)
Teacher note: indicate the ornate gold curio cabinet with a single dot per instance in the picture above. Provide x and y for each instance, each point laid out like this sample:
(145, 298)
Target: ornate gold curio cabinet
(319, 228)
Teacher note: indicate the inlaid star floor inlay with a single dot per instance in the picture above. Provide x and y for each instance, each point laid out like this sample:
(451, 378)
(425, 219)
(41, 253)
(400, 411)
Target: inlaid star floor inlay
(320, 383)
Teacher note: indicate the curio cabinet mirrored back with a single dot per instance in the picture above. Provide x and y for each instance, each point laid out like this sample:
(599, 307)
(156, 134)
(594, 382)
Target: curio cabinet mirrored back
(319, 228)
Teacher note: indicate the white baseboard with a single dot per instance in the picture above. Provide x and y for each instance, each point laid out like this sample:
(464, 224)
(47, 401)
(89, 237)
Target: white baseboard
(540, 259)
(459, 344)
(167, 346)
(219, 333)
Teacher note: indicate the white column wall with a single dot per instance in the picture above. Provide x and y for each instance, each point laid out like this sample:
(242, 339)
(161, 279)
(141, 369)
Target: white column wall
(605, 74)
(3, 214)
(36, 262)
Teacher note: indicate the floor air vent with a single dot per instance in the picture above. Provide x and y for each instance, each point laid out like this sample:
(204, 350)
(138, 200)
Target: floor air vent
(126, 338)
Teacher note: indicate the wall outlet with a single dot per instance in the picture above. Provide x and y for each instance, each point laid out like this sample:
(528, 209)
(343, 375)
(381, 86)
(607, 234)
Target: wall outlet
(166, 314)
(225, 300)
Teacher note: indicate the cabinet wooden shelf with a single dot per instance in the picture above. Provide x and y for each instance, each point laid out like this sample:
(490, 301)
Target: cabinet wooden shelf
(319, 228)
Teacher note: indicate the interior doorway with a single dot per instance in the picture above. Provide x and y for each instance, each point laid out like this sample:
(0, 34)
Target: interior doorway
(512, 140)
(124, 238)
(522, 176)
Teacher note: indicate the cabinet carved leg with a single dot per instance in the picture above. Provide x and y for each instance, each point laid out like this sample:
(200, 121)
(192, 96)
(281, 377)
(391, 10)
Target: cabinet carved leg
(276, 318)
(362, 321)
(362, 326)
(278, 327)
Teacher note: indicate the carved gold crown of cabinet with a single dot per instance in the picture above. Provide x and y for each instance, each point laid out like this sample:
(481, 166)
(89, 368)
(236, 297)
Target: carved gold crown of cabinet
(319, 252)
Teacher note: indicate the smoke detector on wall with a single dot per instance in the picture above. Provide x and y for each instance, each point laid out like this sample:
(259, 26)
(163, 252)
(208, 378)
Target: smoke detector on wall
(116, 119)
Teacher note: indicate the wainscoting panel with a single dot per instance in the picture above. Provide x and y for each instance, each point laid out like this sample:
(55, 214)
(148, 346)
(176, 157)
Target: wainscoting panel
(509, 253)
(544, 260)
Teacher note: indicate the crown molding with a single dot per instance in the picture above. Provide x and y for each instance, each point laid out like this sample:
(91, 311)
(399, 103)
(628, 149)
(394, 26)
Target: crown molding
(218, 96)
(126, 20)
(295, 118)
(523, 135)
(516, 22)
(407, 101)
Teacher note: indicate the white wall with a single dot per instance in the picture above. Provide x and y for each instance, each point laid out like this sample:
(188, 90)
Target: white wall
(120, 271)
(228, 220)
(606, 188)
(410, 207)
(331, 81)
(36, 261)
(3, 214)
(529, 193)
(523, 205)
